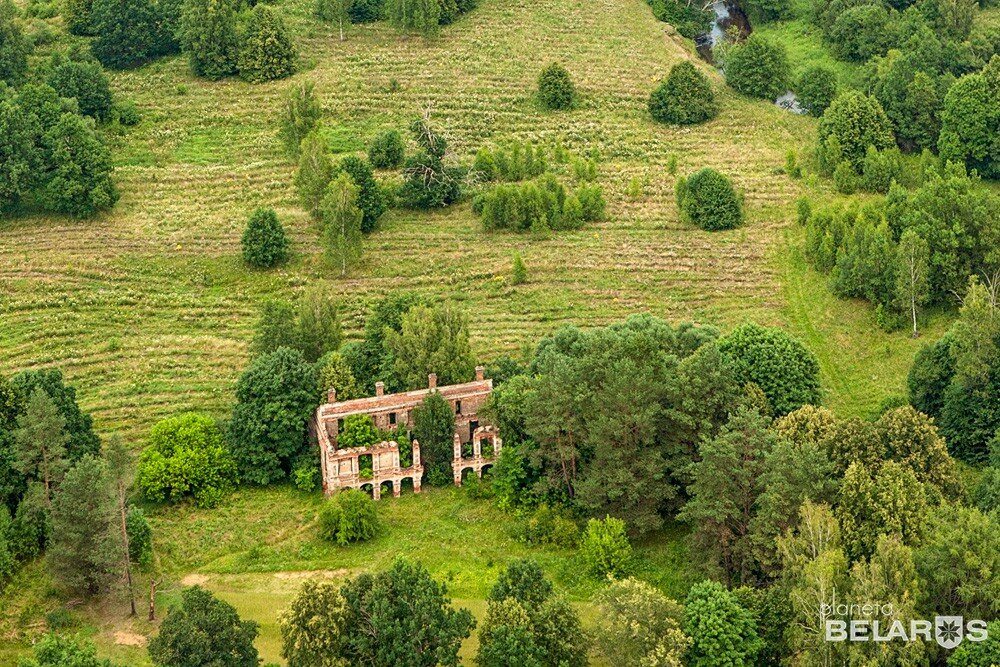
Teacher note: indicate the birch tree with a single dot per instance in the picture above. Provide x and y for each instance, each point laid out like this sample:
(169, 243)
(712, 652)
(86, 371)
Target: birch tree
(912, 286)
(342, 223)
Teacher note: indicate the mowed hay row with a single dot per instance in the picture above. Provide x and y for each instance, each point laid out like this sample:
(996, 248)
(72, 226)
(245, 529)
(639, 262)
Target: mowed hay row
(148, 309)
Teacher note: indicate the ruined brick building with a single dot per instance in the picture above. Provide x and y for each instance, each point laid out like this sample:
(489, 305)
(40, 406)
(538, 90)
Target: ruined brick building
(342, 468)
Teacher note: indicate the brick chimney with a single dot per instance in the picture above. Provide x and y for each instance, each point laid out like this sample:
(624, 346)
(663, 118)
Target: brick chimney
(432, 381)
(480, 373)
(380, 388)
(331, 395)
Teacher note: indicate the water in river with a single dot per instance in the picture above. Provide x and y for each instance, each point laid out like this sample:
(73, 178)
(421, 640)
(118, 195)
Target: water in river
(730, 23)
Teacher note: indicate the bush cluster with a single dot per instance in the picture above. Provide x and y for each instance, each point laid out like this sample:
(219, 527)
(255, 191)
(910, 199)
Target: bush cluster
(539, 205)
(546, 525)
(350, 516)
(816, 89)
(219, 45)
(186, 457)
(709, 200)
(387, 150)
(512, 162)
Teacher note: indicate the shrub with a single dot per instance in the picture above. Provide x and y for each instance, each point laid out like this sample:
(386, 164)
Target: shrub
(358, 431)
(371, 199)
(387, 150)
(86, 82)
(207, 33)
(77, 179)
(186, 456)
(779, 364)
(860, 33)
(816, 89)
(721, 630)
(349, 516)
(762, 11)
(880, 169)
(845, 179)
(852, 123)
(366, 11)
(126, 32)
(264, 241)
(266, 51)
(685, 97)
(519, 273)
(758, 68)
(708, 200)
(555, 89)
(690, 20)
(127, 113)
(605, 549)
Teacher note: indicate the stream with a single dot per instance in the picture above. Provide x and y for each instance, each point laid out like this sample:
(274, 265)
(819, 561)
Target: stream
(731, 23)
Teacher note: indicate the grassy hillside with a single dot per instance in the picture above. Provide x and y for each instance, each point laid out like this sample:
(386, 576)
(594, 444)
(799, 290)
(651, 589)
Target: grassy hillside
(148, 308)
(257, 548)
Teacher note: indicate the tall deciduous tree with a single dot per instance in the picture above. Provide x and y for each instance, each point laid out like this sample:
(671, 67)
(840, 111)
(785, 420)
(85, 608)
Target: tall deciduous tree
(121, 473)
(639, 625)
(314, 173)
(722, 632)
(334, 11)
(301, 116)
(402, 617)
(341, 217)
(416, 16)
(432, 340)
(314, 626)
(912, 288)
(275, 398)
(434, 429)
(204, 631)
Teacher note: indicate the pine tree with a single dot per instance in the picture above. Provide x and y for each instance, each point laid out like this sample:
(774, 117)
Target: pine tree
(208, 35)
(40, 442)
(266, 49)
(84, 544)
(341, 223)
(519, 274)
